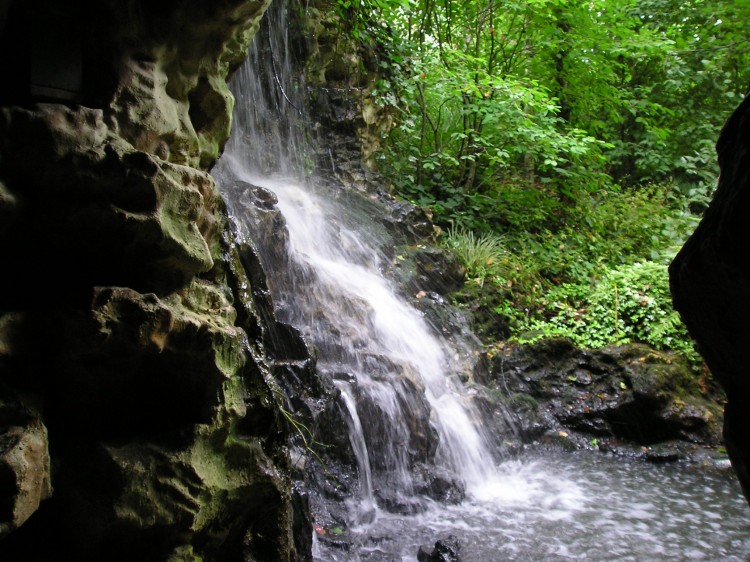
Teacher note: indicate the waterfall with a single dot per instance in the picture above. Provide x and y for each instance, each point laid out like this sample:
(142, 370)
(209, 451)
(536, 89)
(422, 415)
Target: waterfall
(404, 411)
(405, 408)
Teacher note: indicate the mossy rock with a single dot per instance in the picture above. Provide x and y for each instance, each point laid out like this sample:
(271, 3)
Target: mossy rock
(631, 393)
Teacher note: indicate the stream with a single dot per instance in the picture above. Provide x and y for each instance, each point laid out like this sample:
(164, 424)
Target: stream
(573, 506)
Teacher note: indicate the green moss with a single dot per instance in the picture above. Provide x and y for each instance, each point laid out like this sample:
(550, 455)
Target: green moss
(184, 553)
(663, 375)
(482, 305)
(523, 402)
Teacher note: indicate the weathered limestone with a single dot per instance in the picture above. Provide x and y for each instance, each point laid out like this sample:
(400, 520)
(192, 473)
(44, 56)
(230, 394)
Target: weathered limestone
(94, 191)
(710, 282)
(132, 337)
(25, 478)
(342, 73)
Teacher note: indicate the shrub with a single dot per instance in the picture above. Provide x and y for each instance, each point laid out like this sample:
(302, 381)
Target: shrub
(629, 303)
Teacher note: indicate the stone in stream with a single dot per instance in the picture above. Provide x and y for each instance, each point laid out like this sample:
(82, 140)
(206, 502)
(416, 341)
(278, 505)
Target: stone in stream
(446, 550)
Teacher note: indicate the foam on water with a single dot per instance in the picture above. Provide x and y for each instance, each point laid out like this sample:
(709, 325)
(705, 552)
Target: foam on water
(519, 483)
(576, 507)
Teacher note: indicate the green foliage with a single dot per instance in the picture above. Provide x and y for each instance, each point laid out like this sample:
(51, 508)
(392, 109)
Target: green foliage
(463, 141)
(576, 136)
(630, 303)
(562, 282)
(605, 230)
(535, 104)
(483, 255)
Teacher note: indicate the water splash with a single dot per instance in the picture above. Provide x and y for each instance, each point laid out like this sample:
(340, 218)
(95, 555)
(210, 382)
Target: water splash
(584, 506)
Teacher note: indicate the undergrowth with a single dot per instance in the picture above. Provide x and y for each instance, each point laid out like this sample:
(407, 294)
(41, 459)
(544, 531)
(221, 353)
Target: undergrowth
(598, 277)
(482, 255)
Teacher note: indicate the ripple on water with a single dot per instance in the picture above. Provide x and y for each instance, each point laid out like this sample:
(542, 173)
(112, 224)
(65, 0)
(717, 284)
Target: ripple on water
(576, 507)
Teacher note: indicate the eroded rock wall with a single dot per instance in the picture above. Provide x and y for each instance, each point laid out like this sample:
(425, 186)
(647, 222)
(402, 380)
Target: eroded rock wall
(342, 71)
(710, 282)
(139, 417)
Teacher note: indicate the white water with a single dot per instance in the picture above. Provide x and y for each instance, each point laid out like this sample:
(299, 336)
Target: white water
(356, 436)
(387, 362)
(384, 339)
(586, 506)
(335, 292)
(391, 367)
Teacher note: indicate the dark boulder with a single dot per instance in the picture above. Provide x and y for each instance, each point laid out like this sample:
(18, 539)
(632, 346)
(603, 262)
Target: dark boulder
(438, 483)
(625, 394)
(446, 550)
(710, 283)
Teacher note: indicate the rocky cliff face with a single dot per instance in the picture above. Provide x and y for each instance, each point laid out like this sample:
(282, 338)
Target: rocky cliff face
(139, 418)
(710, 280)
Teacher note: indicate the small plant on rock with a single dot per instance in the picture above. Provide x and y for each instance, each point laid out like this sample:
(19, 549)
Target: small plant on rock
(483, 255)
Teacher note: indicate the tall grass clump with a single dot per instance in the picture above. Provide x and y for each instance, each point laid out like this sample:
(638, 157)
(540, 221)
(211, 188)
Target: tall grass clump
(483, 255)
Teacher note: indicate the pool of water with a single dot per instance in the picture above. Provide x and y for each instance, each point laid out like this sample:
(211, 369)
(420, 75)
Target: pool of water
(582, 506)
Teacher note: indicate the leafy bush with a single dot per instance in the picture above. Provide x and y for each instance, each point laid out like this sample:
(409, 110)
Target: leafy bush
(599, 278)
(607, 230)
(630, 303)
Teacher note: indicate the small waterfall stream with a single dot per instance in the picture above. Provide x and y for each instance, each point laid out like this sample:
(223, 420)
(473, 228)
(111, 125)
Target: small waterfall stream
(390, 366)
(405, 409)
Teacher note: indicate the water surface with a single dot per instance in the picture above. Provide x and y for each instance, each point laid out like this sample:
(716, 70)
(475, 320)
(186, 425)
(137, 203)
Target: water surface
(580, 506)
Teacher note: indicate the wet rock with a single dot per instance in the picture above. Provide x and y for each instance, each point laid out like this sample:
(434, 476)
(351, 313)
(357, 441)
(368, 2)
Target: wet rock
(341, 74)
(445, 550)
(438, 484)
(410, 434)
(446, 319)
(260, 215)
(394, 501)
(661, 455)
(330, 428)
(479, 306)
(630, 393)
(415, 223)
(423, 269)
(302, 522)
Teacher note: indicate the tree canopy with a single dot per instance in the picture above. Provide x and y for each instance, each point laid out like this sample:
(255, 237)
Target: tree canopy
(580, 132)
(563, 94)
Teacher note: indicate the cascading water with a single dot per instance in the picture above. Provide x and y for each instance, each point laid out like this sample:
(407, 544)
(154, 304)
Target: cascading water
(387, 362)
(404, 409)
